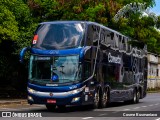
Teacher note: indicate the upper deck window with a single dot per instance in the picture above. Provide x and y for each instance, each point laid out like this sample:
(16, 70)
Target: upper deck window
(59, 35)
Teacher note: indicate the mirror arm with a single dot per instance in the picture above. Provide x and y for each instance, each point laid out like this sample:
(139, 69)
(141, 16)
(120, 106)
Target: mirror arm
(23, 51)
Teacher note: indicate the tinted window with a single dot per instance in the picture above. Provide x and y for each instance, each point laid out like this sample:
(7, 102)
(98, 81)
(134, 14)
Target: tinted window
(92, 35)
(87, 69)
(62, 69)
(59, 36)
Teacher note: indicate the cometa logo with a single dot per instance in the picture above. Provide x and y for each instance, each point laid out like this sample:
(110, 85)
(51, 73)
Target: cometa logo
(114, 59)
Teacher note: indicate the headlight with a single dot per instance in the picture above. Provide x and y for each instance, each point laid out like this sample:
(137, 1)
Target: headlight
(30, 90)
(77, 90)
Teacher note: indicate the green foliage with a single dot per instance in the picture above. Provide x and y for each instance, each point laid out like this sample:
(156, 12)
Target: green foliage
(8, 25)
(140, 27)
(16, 29)
(19, 18)
(16, 23)
(158, 22)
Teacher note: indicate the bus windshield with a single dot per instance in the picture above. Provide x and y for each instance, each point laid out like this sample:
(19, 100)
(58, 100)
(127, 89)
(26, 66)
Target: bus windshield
(59, 35)
(48, 70)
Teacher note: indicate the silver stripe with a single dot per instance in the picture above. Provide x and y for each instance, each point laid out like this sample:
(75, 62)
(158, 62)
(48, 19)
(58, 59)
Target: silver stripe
(47, 94)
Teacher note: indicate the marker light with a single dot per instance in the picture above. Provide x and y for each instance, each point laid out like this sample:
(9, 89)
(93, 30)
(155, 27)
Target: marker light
(35, 38)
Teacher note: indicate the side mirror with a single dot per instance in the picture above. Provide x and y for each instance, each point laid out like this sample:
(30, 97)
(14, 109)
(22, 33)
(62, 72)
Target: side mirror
(22, 53)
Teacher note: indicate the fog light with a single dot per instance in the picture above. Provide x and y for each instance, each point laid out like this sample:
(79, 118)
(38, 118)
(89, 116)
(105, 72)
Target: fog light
(75, 99)
(30, 98)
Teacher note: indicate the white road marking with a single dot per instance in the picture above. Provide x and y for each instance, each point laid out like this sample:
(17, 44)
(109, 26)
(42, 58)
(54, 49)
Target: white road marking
(151, 105)
(157, 119)
(156, 104)
(126, 109)
(136, 108)
(144, 106)
(87, 118)
(102, 114)
(115, 112)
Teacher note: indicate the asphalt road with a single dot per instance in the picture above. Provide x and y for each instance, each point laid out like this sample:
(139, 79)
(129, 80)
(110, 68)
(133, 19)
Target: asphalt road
(149, 106)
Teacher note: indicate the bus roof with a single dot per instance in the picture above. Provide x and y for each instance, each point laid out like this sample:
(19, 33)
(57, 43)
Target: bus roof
(86, 22)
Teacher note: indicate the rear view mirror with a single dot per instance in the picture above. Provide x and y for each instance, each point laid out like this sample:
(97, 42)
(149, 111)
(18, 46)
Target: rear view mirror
(22, 53)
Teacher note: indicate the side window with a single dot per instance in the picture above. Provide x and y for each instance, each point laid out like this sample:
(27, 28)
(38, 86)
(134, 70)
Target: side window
(123, 43)
(92, 35)
(87, 69)
(105, 37)
(116, 40)
(112, 73)
(126, 44)
(112, 40)
(108, 38)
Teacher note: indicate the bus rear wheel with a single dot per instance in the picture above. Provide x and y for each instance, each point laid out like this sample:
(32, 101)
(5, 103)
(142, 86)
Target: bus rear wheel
(96, 99)
(136, 96)
(50, 107)
(104, 99)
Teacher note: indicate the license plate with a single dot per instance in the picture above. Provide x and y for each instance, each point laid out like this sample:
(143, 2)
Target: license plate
(51, 101)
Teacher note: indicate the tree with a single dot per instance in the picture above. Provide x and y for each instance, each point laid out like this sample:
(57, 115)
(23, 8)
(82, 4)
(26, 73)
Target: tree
(15, 28)
(19, 18)
(140, 27)
(8, 25)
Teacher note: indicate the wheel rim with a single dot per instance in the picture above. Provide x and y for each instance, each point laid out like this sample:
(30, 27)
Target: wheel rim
(135, 97)
(96, 100)
(104, 98)
(138, 96)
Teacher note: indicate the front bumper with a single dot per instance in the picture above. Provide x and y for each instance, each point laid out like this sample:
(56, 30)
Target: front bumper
(34, 98)
(59, 95)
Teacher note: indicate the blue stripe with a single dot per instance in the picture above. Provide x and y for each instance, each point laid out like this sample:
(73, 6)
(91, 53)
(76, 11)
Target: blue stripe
(54, 88)
(56, 52)
(76, 51)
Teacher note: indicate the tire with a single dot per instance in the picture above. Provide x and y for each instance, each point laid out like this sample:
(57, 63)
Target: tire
(133, 100)
(104, 99)
(50, 107)
(96, 100)
(137, 96)
(134, 97)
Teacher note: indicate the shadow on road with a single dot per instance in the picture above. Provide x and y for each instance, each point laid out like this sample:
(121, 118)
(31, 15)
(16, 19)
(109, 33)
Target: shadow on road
(84, 108)
(67, 109)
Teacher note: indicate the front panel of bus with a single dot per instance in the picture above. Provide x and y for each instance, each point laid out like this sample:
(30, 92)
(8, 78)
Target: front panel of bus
(55, 68)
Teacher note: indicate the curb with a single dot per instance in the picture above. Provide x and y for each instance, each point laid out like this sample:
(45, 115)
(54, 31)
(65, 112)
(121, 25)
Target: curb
(22, 102)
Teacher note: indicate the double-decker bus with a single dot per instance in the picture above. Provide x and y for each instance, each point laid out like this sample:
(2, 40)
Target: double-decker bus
(83, 63)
